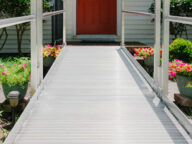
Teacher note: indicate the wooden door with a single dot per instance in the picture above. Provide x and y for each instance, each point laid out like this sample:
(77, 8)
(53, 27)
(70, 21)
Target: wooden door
(96, 16)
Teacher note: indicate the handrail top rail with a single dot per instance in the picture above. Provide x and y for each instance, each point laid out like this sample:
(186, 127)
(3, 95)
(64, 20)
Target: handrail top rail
(139, 13)
(7, 22)
(16, 20)
(179, 19)
(48, 14)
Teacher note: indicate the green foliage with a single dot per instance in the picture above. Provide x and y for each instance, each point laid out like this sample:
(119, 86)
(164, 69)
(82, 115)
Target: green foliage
(1, 113)
(181, 49)
(177, 8)
(15, 71)
(5, 134)
(16, 8)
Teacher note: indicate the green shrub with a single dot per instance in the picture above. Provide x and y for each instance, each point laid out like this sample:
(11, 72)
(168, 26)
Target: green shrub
(15, 71)
(181, 49)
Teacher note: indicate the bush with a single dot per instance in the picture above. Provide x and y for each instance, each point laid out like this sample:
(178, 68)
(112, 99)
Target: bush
(181, 49)
(15, 71)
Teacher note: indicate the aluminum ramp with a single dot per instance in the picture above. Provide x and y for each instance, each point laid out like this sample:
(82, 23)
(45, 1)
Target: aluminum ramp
(95, 95)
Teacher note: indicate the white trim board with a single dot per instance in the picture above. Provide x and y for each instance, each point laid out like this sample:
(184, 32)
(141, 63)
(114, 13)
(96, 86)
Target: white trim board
(97, 37)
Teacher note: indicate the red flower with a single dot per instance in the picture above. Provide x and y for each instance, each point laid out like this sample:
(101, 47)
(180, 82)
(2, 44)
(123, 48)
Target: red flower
(178, 69)
(3, 73)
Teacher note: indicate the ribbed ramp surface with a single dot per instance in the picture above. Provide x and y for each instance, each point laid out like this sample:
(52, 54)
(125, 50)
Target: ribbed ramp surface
(96, 96)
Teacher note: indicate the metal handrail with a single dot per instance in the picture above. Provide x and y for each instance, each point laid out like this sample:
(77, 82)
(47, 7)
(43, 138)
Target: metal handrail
(17, 20)
(139, 13)
(179, 19)
(157, 36)
(48, 14)
(167, 18)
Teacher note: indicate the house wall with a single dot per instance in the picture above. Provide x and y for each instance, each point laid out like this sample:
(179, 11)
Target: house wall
(137, 28)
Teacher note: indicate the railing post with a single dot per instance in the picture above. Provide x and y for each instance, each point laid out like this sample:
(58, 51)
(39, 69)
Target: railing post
(165, 57)
(157, 41)
(64, 24)
(36, 45)
(34, 68)
(40, 38)
(122, 25)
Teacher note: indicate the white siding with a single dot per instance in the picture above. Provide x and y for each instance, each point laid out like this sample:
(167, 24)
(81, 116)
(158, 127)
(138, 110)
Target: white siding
(137, 28)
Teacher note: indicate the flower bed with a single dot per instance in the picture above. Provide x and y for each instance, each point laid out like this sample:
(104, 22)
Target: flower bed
(174, 66)
(144, 52)
(147, 54)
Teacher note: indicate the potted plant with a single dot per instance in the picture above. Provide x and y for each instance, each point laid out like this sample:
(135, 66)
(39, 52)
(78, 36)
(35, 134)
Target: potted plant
(49, 54)
(48, 58)
(184, 79)
(172, 68)
(15, 75)
(147, 54)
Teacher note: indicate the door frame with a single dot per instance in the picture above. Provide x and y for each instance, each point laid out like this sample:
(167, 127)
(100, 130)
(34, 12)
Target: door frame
(119, 9)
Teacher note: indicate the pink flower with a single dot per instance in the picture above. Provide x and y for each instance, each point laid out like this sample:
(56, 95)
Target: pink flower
(173, 74)
(24, 65)
(49, 45)
(3, 73)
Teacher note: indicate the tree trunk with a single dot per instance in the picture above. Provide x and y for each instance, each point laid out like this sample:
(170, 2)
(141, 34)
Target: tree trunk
(18, 39)
(20, 31)
(4, 31)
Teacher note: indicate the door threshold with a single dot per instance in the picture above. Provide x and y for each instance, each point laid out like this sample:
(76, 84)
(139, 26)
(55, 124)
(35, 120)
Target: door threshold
(99, 37)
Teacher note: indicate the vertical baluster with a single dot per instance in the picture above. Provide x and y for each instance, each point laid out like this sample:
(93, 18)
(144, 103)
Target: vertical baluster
(64, 24)
(165, 57)
(36, 45)
(157, 41)
(122, 25)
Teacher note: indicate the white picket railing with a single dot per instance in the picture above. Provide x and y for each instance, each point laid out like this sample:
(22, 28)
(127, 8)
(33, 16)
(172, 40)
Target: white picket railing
(36, 19)
(167, 18)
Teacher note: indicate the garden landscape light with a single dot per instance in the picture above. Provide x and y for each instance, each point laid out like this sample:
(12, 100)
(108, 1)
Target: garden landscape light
(13, 97)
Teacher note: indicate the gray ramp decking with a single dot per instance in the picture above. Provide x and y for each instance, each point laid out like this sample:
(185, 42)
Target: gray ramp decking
(96, 96)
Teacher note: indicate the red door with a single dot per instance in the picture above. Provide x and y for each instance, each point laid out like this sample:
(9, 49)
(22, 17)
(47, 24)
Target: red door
(96, 16)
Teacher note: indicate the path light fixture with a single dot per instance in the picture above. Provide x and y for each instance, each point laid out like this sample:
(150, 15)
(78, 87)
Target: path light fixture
(13, 97)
